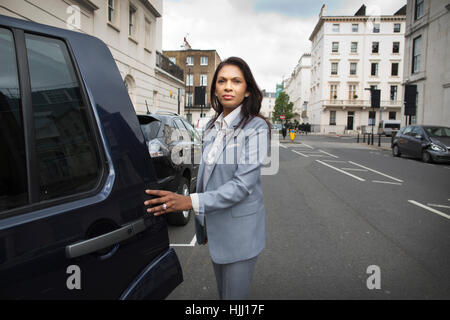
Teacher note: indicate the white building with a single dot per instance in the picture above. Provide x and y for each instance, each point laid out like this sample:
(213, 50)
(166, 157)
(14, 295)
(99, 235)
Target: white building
(427, 59)
(132, 30)
(350, 54)
(298, 88)
(268, 104)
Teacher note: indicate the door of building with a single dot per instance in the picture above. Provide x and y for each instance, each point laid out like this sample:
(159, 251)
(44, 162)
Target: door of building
(350, 117)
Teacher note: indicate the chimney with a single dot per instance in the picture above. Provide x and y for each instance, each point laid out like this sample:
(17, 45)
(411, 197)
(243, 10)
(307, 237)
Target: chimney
(361, 11)
(322, 11)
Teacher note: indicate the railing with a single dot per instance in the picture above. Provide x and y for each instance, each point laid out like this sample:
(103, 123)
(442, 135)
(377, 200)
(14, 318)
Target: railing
(168, 66)
(361, 103)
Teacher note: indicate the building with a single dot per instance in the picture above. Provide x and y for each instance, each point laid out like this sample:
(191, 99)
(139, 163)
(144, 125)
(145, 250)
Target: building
(268, 104)
(199, 67)
(349, 55)
(298, 88)
(132, 30)
(427, 56)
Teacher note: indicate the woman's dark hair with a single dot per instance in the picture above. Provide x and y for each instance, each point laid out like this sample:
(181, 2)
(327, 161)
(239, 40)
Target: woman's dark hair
(251, 105)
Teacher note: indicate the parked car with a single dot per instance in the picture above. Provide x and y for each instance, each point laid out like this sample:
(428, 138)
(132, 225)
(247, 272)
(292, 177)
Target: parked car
(73, 169)
(431, 143)
(175, 148)
(387, 127)
(277, 126)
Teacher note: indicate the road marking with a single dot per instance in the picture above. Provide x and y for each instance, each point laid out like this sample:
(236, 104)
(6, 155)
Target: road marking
(354, 169)
(307, 145)
(192, 244)
(300, 153)
(387, 182)
(336, 161)
(342, 171)
(438, 205)
(429, 209)
(283, 146)
(385, 175)
(329, 154)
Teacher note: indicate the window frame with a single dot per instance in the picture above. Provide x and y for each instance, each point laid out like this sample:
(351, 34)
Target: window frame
(34, 203)
(335, 49)
(376, 69)
(356, 47)
(357, 27)
(377, 46)
(332, 123)
(187, 58)
(394, 46)
(336, 27)
(202, 58)
(397, 30)
(376, 28)
(397, 70)
(132, 21)
(355, 70)
(337, 68)
(416, 54)
(418, 9)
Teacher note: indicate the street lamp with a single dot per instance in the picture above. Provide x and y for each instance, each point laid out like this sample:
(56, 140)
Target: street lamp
(189, 96)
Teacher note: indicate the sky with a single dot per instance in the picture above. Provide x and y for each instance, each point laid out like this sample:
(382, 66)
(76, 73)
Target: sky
(270, 35)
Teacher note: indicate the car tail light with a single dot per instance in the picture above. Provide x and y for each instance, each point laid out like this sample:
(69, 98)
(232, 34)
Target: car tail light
(156, 148)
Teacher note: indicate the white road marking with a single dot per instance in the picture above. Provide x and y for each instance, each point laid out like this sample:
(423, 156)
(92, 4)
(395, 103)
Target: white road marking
(354, 169)
(307, 145)
(329, 154)
(283, 146)
(192, 244)
(342, 171)
(438, 205)
(387, 182)
(300, 153)
(385, 175)
(429, 209)
(336, 161)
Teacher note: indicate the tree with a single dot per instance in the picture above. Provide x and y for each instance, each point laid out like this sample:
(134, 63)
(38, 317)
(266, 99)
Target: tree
(283, 106)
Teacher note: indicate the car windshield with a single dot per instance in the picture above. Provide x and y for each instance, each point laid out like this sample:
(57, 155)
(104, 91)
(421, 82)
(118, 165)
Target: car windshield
(392, 125)
(150, 129)
(438, 131)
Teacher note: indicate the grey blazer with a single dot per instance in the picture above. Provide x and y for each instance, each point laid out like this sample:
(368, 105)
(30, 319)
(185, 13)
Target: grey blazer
(231, 206)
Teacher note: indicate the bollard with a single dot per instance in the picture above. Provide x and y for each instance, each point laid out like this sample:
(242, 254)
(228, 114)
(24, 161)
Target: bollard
(357, 140)
(372, 139)
(368, 139)
(379, 140)
(364, 137)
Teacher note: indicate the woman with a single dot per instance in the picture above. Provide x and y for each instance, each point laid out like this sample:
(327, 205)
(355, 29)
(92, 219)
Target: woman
(229, 207)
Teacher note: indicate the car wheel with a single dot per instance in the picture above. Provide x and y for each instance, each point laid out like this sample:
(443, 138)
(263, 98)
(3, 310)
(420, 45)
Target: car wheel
(426, 157)
(180, 218)
(396, 151)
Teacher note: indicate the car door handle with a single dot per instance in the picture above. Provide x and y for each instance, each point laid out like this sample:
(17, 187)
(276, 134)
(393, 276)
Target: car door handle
(105, 240)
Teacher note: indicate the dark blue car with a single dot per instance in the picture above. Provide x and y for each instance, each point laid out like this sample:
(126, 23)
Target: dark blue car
(73, 168)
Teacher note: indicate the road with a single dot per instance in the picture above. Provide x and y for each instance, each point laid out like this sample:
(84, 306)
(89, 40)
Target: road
(337, 211)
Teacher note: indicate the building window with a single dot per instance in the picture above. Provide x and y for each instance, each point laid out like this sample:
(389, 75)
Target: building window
(173, 60)
(132, 21)
(111, 11)
(148, 34)
(376, 28)
(397, 27)
(417, 42)
(203, 80)
(418, 10)
(354, 47)
(394, 90)
(190, 61)
(375, 47)
(204, 61)
(333, 91)
(189, 99)
(355, 27)
(353, 67)
(336, 27)
(394, 69)
(396, 47)
(332, 118)
(392, 115)
(352, 92)
(190, 80)
(334, 68)
(335, 47)
(374, 69)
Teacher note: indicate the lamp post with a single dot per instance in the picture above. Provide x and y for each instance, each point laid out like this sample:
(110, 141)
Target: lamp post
(189, 96)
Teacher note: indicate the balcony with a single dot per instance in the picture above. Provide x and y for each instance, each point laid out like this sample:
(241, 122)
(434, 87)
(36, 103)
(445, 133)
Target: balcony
(165, 64)
(357, 103)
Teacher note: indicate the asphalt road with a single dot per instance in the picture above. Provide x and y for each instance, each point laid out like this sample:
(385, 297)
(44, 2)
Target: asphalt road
(337, 211)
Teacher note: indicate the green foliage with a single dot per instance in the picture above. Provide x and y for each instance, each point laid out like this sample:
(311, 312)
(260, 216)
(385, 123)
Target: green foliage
(283, 106)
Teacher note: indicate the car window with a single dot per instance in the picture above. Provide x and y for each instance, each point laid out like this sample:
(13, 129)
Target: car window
(67, 160)
(408, 130)
(151, 129)
(416, 131)
(182, 129)
(13, 171)
(438, 131)
(191, 130)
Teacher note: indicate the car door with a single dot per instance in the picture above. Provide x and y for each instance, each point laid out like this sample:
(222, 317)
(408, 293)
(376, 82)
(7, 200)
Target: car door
(403, 140)
(196, 152)
(72, 220)
(416, 141)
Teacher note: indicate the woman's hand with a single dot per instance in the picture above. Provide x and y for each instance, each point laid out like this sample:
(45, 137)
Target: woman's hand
(173, 202)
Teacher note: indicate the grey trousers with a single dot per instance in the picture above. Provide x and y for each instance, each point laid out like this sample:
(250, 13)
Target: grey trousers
(234, 279)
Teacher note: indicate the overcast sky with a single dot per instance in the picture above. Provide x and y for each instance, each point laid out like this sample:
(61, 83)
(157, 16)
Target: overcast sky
(271, 35)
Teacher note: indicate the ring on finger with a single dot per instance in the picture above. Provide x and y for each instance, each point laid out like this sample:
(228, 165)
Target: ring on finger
(164, 206)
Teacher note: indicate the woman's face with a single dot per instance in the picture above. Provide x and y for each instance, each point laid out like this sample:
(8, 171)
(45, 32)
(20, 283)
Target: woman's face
(231, 88)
